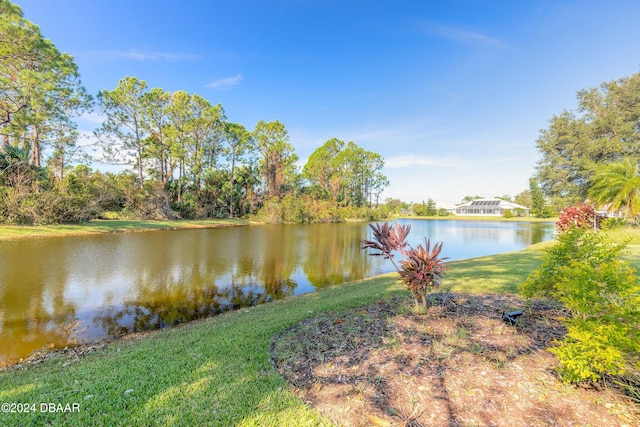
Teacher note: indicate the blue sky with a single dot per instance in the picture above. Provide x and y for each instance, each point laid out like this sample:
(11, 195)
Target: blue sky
(452, 94)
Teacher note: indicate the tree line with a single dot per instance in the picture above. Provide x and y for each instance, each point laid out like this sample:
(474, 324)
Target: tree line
(183, 157)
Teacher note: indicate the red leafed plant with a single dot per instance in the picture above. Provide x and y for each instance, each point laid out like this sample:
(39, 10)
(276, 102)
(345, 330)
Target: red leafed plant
(387, 239)
(578, 216)
(421, 270)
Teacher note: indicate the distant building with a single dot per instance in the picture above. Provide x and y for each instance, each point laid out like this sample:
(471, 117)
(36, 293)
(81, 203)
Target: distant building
(607, 212)
(495, 207)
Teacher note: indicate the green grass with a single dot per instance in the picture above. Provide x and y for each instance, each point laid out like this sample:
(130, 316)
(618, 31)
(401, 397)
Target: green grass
(108, 226)
(217, 371)
(621, 234)
(491, 274)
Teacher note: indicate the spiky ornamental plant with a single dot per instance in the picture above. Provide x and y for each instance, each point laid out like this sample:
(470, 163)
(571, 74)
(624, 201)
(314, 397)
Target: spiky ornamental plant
(423, 268)
(387, 239)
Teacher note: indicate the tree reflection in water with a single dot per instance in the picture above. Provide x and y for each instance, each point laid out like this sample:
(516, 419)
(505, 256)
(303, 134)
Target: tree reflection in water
(187, 305)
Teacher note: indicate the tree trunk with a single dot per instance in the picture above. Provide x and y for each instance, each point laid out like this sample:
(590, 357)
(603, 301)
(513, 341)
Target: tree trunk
(233, 165)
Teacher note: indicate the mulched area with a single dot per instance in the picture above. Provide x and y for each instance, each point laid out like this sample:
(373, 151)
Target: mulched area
(456, 363)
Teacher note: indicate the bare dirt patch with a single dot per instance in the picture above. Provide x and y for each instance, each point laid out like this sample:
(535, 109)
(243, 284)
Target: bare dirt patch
(455, 364)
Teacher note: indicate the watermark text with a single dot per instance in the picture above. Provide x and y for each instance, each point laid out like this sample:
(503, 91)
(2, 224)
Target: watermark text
(26, 407)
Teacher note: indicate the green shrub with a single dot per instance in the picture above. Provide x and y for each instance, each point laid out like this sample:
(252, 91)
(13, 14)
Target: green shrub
(602, 293)
(302, 209)
(611, 223)
(602, 335)
(574, 245)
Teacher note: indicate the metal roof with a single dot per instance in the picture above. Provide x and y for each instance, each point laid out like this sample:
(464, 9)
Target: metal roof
(485, 203)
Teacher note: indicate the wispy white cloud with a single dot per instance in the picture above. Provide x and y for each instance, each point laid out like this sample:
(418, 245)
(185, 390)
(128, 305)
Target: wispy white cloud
(140, 55)
(505, 159)
(412, 160)
(226, 83)
(459, 34)
(411, 131)
(92, 117)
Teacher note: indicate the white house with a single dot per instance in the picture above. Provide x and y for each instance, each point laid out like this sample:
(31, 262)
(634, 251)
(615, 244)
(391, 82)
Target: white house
(496, 207)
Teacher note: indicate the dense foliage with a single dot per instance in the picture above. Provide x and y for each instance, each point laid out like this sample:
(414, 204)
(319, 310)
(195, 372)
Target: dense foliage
(604, 130)
(538, 202)
(427, 209)
(423, 268)
(183, 158)
(345, 174)
(602, 293)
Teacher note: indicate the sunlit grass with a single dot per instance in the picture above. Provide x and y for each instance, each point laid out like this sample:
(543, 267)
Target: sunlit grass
(620, 234)
(491, 274)
(108, 226)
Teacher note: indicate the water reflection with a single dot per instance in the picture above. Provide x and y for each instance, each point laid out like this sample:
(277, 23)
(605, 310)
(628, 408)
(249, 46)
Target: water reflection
(184, 306)
(57, 291)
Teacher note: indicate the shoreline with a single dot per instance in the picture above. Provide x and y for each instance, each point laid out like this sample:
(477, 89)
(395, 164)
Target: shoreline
(75, 351)
(107, 226)
(101, 226)
(94, 228)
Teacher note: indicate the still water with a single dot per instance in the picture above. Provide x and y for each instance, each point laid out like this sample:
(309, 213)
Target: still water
(62, 290)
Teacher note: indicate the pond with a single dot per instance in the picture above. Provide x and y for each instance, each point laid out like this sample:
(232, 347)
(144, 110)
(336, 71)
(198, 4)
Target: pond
(57, 291)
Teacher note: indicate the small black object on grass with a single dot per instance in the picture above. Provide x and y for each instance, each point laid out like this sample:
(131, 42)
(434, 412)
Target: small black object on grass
(511, 318)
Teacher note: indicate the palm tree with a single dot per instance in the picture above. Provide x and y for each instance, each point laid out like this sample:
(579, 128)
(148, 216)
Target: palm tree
(618, 184)
(15, 168)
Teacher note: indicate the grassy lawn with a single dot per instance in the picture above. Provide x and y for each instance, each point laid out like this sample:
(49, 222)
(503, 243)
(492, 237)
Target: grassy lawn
(108, 226)
(621, 234)
(217, 371)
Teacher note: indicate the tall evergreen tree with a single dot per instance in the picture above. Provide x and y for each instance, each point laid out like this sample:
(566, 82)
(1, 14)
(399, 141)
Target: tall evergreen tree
(323, 168)
(277, 156)
(537, 200)
(239, 143)
(40, 89)
(125, 129)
